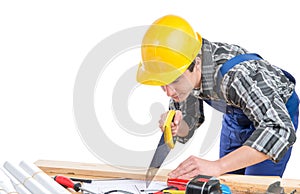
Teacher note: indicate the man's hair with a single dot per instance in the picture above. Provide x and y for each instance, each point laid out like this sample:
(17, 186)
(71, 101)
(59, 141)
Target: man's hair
(192, 65)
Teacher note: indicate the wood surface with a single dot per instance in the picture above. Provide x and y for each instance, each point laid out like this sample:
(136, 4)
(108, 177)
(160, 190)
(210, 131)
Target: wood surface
(237, 183)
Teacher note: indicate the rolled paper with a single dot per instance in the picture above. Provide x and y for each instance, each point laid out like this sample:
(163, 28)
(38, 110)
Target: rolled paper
(2, 191)
(21, 189)
(5, 183)
(32, 185)
(17, 185)
(43, 178)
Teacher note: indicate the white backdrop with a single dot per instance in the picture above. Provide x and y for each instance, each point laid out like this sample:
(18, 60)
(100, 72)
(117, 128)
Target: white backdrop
(42, 45)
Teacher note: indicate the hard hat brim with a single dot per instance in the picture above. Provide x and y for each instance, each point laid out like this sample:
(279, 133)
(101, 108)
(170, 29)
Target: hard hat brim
(159, 79)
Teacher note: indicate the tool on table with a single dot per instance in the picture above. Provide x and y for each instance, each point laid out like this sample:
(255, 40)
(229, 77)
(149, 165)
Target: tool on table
(180, 184)
(173, 192)
(275, 188)
(207, 185)
(68, 183)
(81, 180)
(166, 143)
(200, 184)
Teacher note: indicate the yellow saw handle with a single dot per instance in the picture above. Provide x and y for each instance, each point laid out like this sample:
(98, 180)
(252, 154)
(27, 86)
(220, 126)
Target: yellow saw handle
(168, 130)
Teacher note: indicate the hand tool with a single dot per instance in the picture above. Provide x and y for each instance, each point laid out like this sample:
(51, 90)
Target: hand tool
(275, 188)
(81, 180)
(199, 184)
(180, 184)
(173, 192)
(166, 143)
(68, 183)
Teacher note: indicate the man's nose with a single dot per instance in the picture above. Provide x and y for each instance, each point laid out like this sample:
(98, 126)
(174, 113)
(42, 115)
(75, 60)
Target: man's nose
(169, 90)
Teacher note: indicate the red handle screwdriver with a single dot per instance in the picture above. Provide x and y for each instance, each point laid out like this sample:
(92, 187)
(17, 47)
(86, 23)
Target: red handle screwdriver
(179, 183)
(68, 183)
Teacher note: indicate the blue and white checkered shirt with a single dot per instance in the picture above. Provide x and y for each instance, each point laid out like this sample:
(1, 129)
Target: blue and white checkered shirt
(258, 88)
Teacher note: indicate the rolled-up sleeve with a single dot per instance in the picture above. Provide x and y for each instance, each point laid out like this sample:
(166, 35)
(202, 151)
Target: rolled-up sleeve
(260, 94)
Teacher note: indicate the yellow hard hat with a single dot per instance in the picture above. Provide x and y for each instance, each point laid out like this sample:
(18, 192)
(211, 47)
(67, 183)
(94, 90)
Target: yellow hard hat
(169, 46)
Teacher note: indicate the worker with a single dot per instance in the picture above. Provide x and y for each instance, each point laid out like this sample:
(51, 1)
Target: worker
(258, 99)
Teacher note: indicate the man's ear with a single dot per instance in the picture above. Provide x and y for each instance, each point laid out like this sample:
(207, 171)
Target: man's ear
(197, 66)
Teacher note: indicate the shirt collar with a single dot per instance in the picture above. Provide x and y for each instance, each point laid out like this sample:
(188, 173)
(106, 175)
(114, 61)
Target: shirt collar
(208, 71)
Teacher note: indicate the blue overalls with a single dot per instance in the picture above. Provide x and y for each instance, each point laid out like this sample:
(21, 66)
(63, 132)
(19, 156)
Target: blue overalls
(237, 128)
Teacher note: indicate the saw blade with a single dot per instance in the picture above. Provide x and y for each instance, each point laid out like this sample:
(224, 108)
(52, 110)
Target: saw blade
(166, 143)
(160, 155)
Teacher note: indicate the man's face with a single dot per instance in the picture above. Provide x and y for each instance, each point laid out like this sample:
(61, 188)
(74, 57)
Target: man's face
(180, 89)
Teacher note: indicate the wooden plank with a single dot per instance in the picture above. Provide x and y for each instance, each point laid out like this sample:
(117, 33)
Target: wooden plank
(248, 184)
(258, 184)
(237, 183)
(96, 171)
(290, 185)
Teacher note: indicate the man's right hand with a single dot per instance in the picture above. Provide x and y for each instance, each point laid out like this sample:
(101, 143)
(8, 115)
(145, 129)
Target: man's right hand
(175, 125)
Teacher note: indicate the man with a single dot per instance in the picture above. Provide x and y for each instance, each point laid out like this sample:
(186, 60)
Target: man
(258, 100)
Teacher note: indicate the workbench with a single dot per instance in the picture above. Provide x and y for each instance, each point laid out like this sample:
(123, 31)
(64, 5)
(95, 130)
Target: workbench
(237, 183)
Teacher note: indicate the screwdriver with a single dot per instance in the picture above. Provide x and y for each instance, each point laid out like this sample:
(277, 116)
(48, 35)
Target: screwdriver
(68, 183)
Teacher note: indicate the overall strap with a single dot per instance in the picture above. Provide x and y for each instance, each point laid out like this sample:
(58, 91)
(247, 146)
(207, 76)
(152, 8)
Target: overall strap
(289, 76)
(221, 105)
(230, 64)
(238, 59)
(247, 57)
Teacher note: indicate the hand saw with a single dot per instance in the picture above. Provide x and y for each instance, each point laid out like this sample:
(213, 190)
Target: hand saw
(166, 143)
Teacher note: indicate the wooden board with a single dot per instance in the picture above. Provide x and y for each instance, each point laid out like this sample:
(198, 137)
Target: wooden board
(95, 171)
(237, 183)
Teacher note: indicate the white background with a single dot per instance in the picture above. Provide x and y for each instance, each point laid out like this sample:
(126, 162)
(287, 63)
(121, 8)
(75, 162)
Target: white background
(42, 45)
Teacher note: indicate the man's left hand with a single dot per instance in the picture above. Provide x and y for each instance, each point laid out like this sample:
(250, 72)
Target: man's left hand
(194, 166)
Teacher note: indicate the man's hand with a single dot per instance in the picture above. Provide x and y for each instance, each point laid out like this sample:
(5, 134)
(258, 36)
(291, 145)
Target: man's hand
(240, 158)
(174, 125)
(194, 166)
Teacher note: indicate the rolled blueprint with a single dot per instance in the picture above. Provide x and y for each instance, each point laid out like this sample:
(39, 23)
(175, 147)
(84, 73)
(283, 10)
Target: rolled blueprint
(43, 178)
(5, 184)
(2, 191)
(17, 185)
(32, 185)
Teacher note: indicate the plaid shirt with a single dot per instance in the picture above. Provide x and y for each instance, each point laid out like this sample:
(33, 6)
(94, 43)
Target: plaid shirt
(256, 87)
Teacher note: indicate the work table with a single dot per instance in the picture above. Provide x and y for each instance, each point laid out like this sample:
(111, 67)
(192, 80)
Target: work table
(237, 183)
